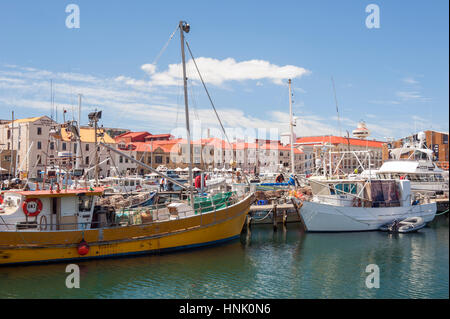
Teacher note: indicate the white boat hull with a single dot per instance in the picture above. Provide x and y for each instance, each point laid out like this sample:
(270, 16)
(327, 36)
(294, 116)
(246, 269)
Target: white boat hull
(328, 218)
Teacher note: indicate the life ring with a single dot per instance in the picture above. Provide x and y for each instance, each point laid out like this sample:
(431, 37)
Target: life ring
(32, 206)
(138, 188)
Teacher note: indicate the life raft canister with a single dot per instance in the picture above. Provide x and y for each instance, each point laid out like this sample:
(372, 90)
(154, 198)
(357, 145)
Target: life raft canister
(83, 248)
(32, 206)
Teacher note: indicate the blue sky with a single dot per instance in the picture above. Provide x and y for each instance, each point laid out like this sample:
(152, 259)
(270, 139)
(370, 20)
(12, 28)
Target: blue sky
(395, 77)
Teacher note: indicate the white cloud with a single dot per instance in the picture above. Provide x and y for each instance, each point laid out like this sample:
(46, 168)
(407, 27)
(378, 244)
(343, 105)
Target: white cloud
(411, 96)
(217, 72)
(410, 80)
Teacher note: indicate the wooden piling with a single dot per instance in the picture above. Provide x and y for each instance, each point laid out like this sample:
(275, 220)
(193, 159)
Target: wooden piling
(249, 221)
(274, 217)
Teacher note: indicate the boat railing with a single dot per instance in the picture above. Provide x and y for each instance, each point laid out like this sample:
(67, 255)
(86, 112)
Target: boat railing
(134, 216)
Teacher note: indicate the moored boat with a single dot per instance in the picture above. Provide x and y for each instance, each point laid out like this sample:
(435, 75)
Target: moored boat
(360, 205)
(45, 226)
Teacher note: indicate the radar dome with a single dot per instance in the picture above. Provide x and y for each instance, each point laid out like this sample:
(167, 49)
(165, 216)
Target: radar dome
(361, 131)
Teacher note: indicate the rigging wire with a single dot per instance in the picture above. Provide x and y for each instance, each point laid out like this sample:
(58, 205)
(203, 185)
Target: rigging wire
(164, 47)
(209, 97)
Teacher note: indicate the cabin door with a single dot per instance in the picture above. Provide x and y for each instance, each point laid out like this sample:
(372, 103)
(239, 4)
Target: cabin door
(68, 210)
(55, 208)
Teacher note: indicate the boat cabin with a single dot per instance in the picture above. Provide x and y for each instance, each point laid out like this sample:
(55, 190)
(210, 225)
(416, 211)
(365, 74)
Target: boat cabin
(48, 209)
(362, 193)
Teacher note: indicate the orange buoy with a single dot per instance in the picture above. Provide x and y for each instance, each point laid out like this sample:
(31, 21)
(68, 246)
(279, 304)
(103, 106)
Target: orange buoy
(83, 248)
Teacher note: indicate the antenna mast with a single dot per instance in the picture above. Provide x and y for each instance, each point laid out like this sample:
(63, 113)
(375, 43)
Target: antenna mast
(291, 126)
(337, 109)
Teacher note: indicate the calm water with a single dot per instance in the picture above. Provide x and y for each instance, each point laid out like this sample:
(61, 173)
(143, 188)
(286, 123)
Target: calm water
(290, 264)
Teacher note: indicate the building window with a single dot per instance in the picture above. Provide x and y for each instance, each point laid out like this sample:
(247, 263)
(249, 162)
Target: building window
(120, 159)
(64, 147)
(39, 131)
(52, 145)
(87, 160)
(87, 147)
(9, 134)
(158, 159)
(39, 145)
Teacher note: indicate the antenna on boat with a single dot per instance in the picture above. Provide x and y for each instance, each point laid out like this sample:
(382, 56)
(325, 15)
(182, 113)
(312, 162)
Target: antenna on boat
(291, 127)
(185, 27)
(94, 117)
(337, 109)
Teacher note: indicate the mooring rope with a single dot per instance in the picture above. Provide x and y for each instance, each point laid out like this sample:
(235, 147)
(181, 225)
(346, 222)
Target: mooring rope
(259, 219)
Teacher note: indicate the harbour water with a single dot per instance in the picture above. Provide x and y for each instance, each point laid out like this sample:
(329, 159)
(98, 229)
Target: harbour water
(263, 264)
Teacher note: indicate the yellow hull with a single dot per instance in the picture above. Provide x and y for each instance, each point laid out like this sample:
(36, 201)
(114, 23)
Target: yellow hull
(210, 228)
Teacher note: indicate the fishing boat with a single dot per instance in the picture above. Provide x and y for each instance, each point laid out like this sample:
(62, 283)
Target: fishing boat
(62, 224)
(359, 205)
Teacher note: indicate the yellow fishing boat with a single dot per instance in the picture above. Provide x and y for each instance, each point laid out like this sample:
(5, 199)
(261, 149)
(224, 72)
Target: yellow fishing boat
(62, 224)
(48, 226)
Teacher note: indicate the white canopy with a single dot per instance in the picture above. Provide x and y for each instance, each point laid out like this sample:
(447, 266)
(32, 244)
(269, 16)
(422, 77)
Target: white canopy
(178, 169)
(2, 169)
(196, 169)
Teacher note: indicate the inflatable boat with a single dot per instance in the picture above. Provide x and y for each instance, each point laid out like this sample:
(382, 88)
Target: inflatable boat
(404, 226)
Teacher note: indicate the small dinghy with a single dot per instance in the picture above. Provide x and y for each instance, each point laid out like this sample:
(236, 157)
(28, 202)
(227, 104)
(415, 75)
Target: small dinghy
(405, 226)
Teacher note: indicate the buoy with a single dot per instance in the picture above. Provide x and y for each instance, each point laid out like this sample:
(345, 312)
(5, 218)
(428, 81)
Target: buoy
(83, 248)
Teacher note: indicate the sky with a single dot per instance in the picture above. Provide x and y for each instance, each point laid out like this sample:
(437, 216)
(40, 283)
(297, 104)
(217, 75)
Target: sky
(121, 59)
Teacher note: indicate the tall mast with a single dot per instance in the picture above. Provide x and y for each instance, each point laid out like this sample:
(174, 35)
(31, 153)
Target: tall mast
(184, 27)
(291, 126)
(78, 153)
(12, 169)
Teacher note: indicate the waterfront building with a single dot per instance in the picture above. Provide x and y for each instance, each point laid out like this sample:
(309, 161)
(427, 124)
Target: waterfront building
(37, 148)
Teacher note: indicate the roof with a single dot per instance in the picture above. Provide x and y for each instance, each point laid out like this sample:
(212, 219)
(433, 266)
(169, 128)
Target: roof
(339, 140)
(87, 136)
(62, 193)
(27, 120)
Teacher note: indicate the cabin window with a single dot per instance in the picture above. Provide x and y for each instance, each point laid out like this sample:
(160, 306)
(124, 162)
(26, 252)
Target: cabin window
(85, 203)
(131, 183)
(127, 183)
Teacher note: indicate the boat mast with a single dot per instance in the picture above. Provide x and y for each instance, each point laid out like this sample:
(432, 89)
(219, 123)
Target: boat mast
(184, 27)
(291, 126)
(78, 153)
